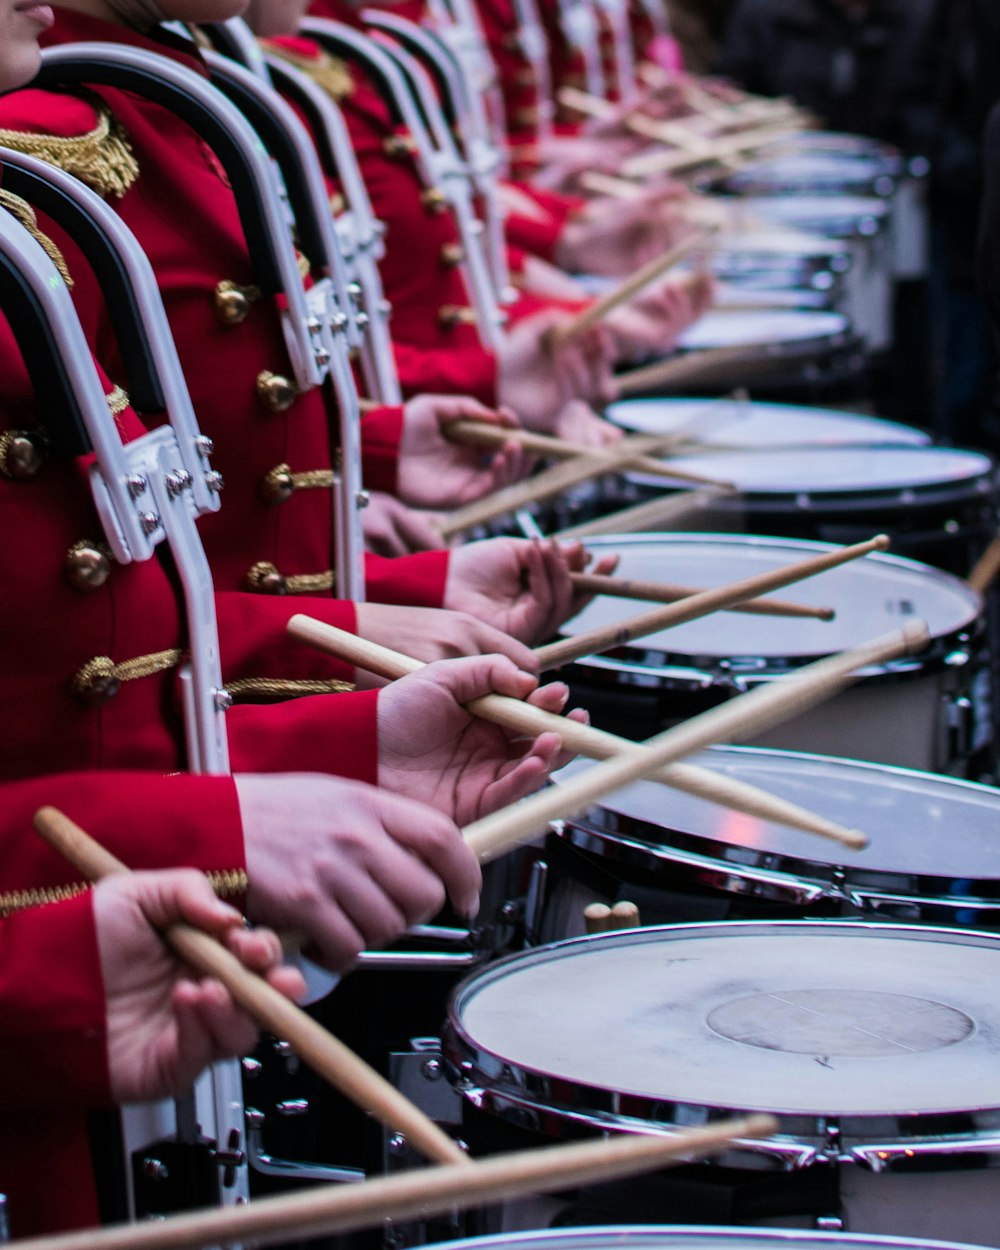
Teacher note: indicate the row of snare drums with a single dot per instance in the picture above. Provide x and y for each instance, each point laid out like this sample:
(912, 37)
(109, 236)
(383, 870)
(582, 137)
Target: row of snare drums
(851, 994)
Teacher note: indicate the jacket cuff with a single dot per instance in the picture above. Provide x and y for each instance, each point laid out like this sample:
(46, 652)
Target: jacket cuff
(381, 434)
(416, 581)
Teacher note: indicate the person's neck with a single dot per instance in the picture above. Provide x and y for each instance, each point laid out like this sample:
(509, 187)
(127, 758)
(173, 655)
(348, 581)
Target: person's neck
(139, 15)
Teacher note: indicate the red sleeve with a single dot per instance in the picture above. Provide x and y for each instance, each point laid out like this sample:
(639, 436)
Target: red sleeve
(147, 820)
(416, 581)
(255, 643)
(326, 733)
(459, 371)
(381, 433)
(52, 1017)
(535, 235)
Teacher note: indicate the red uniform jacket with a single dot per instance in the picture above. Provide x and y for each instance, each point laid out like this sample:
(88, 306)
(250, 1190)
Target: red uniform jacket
(184, 214)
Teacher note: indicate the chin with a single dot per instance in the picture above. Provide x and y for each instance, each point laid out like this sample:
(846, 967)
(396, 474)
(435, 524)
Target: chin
(19, 66)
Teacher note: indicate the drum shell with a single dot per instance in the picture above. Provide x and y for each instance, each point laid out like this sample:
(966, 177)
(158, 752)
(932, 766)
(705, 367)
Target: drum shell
(944, 524)
(698, 862)
(930, 712)
(894, 1175)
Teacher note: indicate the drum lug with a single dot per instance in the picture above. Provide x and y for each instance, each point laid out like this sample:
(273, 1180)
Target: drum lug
(417, 1074)
(171, 1175)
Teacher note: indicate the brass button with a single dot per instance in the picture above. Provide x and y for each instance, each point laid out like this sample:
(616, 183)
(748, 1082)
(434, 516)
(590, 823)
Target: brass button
(398, 146)
(232, 304)
(452, 255)
(279, 485)
(20, 455)
(265, 579)
(86, 567)
(275, 392)
(456, 315)
(433, 200)
(96, 683)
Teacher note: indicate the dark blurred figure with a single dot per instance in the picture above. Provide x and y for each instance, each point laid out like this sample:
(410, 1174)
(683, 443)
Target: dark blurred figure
(698, 25)
(989, 254)
(920, 74)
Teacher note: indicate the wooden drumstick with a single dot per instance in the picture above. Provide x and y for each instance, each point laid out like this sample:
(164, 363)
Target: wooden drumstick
(986, 568)
(417, 1194)
(312, 1043)
(463, 430)
(711, 151)
(697, 368)
(597, 918)
(666, 592)
(609, 185)
(625, 915)
(715, 415)
(655, 514)
(630, 287)
(603, 637)
(748, 715)
(525, 718)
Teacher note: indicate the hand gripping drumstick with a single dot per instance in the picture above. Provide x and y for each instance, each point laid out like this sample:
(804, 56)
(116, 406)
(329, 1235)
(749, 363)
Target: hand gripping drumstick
(525, 718)
(312, 1043)
(715, 415)
(604, 637)
(750, 714)
(667, 592)
(632, 286)
(416, 1194)
(462, 430)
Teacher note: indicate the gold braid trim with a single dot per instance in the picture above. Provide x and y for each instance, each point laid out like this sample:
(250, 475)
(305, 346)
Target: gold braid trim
(118, 401)
(227, 883)
(25, 214)
(102, 158)
(103, 667)
(278, 689)
(265, 578)
(326, 71)
(20, 900)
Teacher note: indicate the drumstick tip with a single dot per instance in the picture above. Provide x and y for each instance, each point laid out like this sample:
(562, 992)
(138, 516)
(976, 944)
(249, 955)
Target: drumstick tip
(825, 614)
(881, 542)
(916, 636)
(759, 1125)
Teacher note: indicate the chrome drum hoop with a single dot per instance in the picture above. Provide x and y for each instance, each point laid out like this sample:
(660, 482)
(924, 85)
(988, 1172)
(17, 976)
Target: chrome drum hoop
(766, 863)
(688, 1237)
(556, 1105)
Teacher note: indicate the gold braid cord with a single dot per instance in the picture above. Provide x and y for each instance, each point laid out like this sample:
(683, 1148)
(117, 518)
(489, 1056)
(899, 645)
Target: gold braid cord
(102, 667)
(280, 689)
(326, 71)
(226, 882)
(118, 401)
(25, 214)
(102, 158)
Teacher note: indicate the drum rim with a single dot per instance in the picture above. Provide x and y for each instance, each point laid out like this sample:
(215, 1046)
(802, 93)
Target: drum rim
(673, 1234)
(803, 1138)
(648, 664)
(874, 498)
(669, 400)
(787, 349)
(784, 876)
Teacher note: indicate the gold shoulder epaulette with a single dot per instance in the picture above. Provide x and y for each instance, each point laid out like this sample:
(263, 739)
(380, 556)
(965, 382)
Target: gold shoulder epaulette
(102, 158)
(328, 72)
(25, 214)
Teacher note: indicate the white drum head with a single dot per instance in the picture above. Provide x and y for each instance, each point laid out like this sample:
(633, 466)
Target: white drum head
(757, 425)
(819, 212)
(815, 472)
(666, 1237)
(817, 171)
(720, 328)
(919, 824)
(795, 1018)
(871, 597)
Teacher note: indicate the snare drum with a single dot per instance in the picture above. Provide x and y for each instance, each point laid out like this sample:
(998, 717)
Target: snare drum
(756, 426)
(934, 856)
(674, 1237)
(929, 712)
(875, 1046)
(938, 503)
